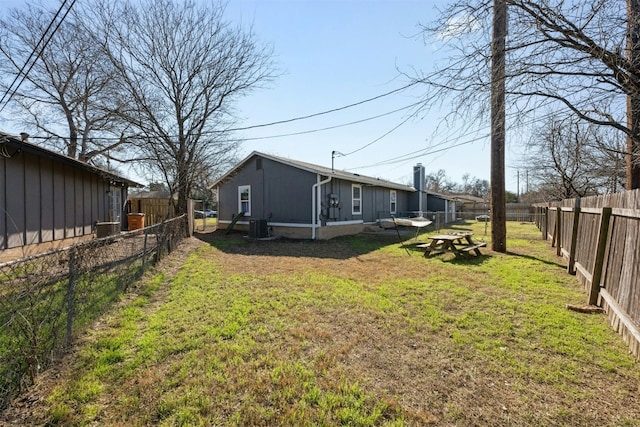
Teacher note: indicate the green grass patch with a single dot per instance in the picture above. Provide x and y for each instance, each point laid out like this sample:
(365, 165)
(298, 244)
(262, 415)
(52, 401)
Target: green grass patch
(354, 332)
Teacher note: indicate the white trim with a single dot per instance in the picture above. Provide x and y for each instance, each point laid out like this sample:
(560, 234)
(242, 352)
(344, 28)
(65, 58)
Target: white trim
(393, 201)
(338, 223)
(290, 224)
(240, 189)
(299, 225)
(229, 222)
(359, 199)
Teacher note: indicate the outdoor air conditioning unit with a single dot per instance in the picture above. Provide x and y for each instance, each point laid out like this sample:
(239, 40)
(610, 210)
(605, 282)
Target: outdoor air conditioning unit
(258, 229)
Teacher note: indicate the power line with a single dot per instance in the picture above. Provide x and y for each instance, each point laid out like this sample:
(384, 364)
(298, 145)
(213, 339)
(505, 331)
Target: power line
(425, 151)
(355, 104)
(334, 127)
(380, 137)
(33, 52)
(44, 46)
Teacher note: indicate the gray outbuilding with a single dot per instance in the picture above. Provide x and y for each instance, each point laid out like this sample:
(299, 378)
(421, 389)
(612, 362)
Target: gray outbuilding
(47, 197)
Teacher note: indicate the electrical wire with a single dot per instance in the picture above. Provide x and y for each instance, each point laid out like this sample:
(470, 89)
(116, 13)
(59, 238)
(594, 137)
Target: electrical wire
(426, 151)
(44, 46)
(355, 104)
(33, 52)
(334, 127)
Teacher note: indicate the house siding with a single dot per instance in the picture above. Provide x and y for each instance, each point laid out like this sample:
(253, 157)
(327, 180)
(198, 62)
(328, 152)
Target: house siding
(279, 193)
(287, 193)
(14, 201)
(342, 212)
(3, 203)
(375, 202)
(47, 197)
(436, 204)
(43, 199)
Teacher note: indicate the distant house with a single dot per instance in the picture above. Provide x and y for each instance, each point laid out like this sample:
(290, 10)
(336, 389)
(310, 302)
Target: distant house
(295, 199)
(47, 197)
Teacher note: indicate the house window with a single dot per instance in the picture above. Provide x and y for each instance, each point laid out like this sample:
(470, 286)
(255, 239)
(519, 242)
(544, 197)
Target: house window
(392, 198)
(114, 195)
(356, 199)
(244, 199)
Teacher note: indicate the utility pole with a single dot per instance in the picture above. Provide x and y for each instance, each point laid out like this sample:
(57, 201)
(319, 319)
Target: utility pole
(498, 197)
(633, 99)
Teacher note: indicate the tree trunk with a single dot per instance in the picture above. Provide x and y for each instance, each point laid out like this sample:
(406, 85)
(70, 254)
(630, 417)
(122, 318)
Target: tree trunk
(633, 100)
(498, 205)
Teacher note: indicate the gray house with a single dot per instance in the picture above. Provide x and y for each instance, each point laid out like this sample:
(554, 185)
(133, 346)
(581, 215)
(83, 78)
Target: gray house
(47, 197)
(266, 194)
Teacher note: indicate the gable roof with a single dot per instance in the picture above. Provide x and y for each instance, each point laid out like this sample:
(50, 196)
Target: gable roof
(9, 142)
(317, 169)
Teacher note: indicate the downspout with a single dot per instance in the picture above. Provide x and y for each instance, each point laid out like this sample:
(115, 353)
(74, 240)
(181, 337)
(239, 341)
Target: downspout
(314, 216)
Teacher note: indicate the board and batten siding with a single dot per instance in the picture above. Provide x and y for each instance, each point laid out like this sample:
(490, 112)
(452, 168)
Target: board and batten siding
(279, 192)
(287, 192)
(43, 200)
(375, 201)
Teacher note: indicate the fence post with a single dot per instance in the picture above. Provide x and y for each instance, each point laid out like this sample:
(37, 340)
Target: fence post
(596, 276)
(558, 231)
(574, 238)
(71, 288)
(144, 249)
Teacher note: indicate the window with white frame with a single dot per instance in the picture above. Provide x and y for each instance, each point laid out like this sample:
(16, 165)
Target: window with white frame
(392, 201)
(244, 199)
(356, 199)
(115, 203)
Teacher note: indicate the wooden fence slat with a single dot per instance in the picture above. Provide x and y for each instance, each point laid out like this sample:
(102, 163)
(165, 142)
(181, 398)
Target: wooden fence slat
(559, 232)
(621, 316)
(607, 254)
(574, 239)
(628, 213)
(600, 249)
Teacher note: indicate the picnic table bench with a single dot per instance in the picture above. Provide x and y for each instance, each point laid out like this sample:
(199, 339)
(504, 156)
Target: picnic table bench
(460, 244)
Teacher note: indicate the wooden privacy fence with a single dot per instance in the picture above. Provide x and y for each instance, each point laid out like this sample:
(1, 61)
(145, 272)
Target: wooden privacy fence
(155, 210)
(600, 238)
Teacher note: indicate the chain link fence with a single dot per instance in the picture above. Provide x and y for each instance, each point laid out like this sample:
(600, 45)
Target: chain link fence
(45, 300)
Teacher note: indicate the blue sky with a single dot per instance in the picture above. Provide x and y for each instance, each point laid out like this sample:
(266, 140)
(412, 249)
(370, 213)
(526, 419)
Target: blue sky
(334, 53)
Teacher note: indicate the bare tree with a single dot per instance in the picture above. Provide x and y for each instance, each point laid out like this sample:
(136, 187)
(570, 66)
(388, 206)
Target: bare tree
(68, 93)
(568, 158)
(439, 182)
(182, 66)
(568, 53)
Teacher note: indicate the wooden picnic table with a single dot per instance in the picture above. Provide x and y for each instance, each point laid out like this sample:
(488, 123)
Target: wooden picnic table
(460, 244)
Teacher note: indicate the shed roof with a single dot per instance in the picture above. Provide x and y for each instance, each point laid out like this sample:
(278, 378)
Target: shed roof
(317, 169)
(16, 145)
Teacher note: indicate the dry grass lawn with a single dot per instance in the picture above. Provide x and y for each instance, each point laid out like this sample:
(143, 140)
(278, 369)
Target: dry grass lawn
(353, 331)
